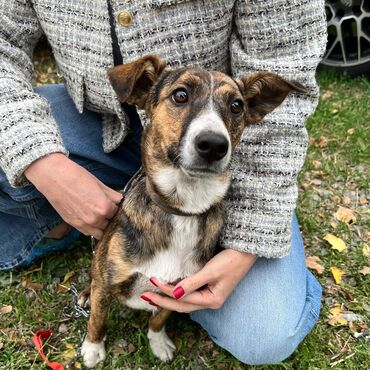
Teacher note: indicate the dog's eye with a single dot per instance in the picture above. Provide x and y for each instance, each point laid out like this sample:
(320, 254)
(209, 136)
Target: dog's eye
(180, 96)
(236, 106)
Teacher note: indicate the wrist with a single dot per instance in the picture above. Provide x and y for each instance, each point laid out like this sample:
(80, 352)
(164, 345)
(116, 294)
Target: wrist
(39, 170)
(246, 259)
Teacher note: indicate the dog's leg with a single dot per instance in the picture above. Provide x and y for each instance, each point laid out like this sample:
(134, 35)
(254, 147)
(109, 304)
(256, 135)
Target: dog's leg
(161, 345)
(92, 348)
(84, 297)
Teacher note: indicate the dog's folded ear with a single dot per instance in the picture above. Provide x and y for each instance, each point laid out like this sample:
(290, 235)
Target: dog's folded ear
(264, 91)
(132, 81)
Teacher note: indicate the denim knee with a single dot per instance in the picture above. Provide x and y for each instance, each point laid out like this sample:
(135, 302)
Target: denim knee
(273, 333)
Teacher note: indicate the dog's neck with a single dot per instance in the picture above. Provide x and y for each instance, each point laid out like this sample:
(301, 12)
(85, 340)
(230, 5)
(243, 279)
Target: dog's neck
(178, 193)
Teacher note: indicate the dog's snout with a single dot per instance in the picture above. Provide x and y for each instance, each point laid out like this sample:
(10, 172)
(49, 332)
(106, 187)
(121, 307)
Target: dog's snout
(211, 146)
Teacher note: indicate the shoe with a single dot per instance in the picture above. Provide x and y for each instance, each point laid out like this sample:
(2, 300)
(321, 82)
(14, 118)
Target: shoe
(49, 245)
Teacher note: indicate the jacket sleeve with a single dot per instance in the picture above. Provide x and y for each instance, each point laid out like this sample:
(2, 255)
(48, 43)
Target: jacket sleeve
(27, 128)
(287, 37)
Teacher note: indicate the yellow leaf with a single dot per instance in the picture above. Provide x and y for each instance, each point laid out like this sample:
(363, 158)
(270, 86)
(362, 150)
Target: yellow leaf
(345, 214)
(366, 250)
(66, 283)
(365, 270)
(337, 274)
(69, 353)
(336, 317)
(333, 224)
(313, 263)
(336, 243)
(6, 309)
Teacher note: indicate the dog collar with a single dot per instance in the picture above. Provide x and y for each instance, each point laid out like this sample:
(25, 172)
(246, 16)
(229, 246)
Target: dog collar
(160, 201)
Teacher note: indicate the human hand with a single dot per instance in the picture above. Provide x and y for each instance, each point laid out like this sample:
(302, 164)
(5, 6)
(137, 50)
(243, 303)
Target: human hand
(80, 198)
(217, 280)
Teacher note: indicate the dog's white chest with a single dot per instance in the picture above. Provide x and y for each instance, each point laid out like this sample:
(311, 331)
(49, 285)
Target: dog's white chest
(171, 264)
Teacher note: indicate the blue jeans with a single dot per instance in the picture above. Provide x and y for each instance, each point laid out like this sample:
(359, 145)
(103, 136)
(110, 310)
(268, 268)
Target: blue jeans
(269, 313)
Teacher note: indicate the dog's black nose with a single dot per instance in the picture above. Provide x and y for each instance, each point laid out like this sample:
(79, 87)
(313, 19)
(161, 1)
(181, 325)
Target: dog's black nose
(211, 146)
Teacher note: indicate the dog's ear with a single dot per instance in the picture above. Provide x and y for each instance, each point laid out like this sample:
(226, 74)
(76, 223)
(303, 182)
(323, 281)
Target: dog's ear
(132, 81)
(263, 92)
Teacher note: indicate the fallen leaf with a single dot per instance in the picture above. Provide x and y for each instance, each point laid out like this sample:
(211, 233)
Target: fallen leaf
(336, 317)
(347, 200)
(337, 274)
(68, 354)
(351, 131)
(366, 250)
(327, 95)
(351, 316)
(345, 214)
(27, 284)
(316, 164)
(6, 309)
(336, 243)
(322, 142)
(365, 270)
(362, 200)
(1, 345)
(66, 283)
(336, 199)
(333, 224)
(316, 182)
(313, 263)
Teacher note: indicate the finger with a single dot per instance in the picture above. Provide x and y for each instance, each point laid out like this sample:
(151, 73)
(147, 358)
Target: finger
(165, 288)
(192, 283)
(170, 303)
(101, 224)
(204, 297)
(113, 195)
(91, 231)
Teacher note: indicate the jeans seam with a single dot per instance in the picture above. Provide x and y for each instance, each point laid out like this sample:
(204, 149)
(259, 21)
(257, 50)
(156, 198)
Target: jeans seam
(28, 248)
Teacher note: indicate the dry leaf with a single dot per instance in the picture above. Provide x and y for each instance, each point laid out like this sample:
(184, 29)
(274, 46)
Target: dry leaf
(336, 317)
(362, 200)
(336, 243)
(327, 95)
(347, 200)
(313, 263)
(66, 283)
(345, 215)
(1, 345)
(365, 270)
(27, 284)
(6, 309)
(336, 199)
(351, 131)
(316, 164)
(316, 182)
(337, 274)
(323, 142)
(333, 225)
(366, 250)
(69, 353)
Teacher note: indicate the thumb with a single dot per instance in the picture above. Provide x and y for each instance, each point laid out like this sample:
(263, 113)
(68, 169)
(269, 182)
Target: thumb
(191, 283)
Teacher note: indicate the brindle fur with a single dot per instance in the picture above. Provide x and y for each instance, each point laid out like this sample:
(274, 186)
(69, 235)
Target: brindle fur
(141, 228)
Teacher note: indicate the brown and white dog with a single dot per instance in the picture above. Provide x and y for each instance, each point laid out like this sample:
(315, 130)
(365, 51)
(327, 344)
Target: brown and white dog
(168, 223)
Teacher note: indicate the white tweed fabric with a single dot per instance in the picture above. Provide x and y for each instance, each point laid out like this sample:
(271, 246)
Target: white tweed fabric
(233, 36)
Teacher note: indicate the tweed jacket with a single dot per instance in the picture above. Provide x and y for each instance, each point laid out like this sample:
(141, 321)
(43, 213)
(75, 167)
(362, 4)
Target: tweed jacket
(234, 36)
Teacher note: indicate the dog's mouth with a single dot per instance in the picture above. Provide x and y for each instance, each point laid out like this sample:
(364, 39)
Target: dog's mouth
(199, 172)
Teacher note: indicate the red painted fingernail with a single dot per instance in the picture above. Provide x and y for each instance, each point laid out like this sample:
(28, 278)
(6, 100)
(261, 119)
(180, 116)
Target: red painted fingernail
(148, 300)
(178, 292)
(153, 282)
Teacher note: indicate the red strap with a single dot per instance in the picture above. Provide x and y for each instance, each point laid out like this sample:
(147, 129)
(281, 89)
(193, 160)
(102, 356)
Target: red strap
(37, 340)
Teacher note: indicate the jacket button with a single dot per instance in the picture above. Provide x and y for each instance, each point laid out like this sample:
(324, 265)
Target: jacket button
(124, 18)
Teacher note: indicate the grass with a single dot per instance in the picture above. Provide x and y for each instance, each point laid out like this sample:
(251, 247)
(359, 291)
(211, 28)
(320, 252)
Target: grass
(336, 173)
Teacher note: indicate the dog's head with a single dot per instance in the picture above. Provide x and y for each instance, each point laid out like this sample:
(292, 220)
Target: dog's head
(196, 117)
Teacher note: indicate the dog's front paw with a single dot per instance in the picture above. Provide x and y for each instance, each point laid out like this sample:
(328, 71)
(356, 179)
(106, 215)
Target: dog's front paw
(84, 298)
(92, 353)
(161, 345)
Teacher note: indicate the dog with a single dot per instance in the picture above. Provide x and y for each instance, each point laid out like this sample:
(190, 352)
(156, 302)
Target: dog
(168, 223)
